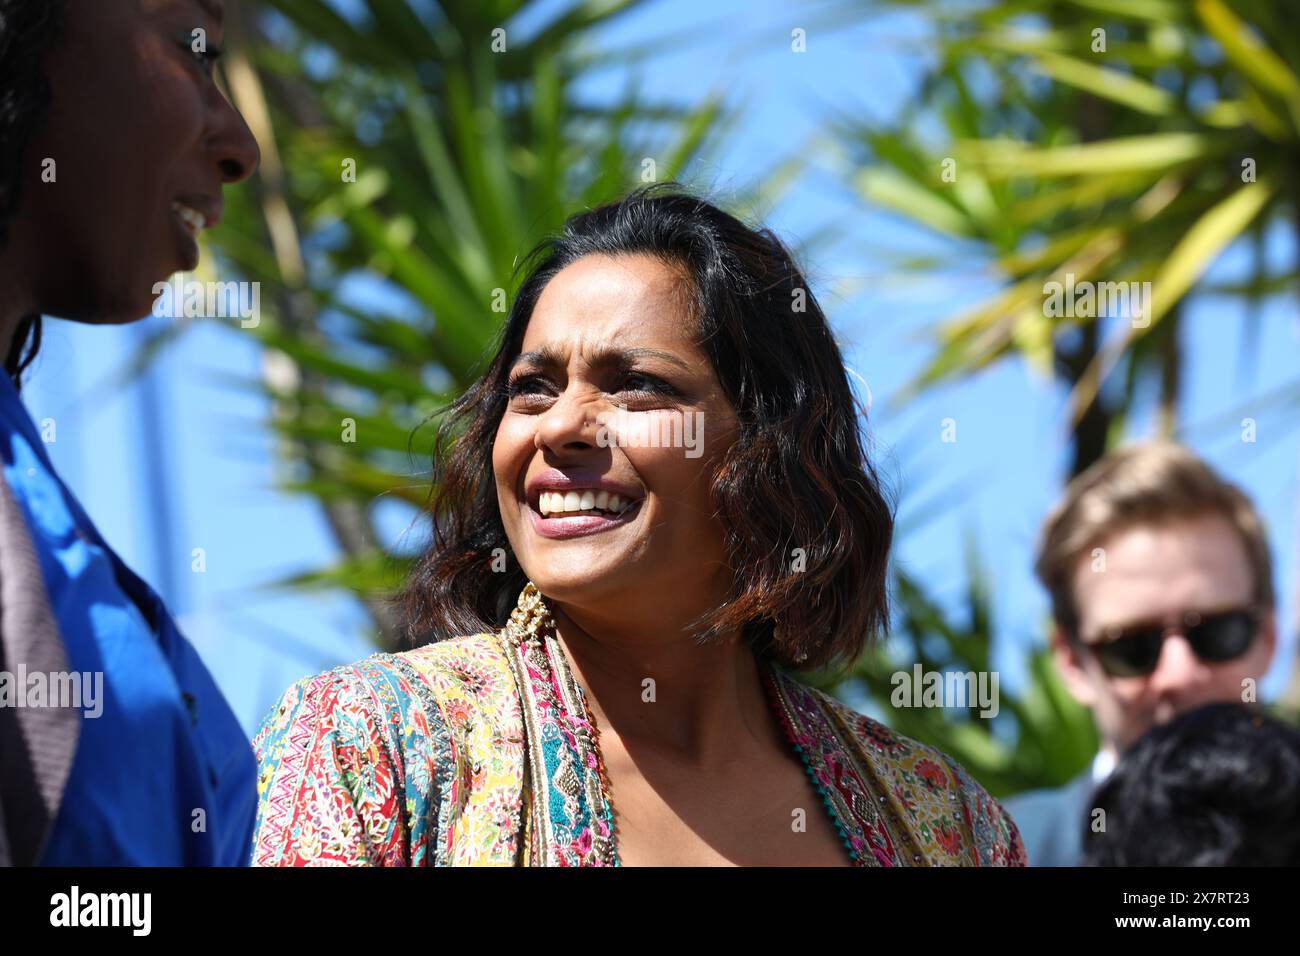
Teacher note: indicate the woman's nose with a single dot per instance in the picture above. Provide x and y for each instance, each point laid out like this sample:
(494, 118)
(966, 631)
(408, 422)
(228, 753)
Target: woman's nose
(232, 144)
(570, 421)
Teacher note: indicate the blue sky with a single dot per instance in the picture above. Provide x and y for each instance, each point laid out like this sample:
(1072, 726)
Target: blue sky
(1003, 472)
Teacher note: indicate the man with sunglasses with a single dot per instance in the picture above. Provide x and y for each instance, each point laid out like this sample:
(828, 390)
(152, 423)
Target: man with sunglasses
(1161, 587)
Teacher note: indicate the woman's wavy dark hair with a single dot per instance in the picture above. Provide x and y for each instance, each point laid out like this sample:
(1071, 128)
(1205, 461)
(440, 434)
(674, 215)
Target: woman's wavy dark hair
(28, 28)
(796, 477)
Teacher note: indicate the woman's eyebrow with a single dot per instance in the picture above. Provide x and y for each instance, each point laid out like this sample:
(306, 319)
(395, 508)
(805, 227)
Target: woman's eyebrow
(549, 357)
(214, 9)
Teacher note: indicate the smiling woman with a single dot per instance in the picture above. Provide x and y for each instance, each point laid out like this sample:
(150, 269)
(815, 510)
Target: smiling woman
(115, 145)
(608, 623)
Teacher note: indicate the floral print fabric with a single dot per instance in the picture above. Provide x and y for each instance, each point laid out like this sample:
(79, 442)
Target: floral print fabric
(479, 751)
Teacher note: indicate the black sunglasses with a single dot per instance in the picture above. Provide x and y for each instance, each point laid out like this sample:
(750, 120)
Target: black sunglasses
(1133, 650)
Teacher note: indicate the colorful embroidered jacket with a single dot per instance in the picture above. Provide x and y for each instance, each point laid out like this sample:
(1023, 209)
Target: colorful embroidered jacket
(481, 750)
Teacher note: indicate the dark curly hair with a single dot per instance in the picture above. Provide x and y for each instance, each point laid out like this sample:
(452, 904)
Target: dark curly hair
(796, 476)
(28, 28)
(1218, 786)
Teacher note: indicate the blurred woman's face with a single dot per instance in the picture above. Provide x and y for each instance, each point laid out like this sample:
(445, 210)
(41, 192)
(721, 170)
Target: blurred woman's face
(130, 162)
(611, 394)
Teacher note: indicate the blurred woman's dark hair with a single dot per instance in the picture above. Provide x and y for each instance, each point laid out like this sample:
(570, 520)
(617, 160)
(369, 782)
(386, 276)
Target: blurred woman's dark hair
(1217, 786)
(28, 29)
(796, 477)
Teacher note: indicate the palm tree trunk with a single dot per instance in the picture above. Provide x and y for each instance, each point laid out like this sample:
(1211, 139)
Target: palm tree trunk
(349, 521)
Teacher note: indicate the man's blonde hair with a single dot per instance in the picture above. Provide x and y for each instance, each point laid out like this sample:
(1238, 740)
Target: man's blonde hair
(1151, 483)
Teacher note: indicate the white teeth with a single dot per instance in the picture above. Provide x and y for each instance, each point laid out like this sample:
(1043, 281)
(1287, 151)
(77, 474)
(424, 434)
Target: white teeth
(559, 503)
(193, 220)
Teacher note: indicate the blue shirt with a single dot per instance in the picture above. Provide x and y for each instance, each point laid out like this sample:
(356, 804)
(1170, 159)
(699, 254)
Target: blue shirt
(163, 775)
(1051, 822)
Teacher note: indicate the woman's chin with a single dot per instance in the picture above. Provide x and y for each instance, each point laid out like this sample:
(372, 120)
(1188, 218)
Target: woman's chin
(105, 312)
(574, 582)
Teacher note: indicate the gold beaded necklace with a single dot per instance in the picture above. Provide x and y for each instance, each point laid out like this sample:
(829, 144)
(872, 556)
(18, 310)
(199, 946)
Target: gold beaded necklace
(532, 633)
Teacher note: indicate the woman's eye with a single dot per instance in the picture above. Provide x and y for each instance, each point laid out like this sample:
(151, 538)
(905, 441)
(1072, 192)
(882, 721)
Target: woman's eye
(520, 386)
(209, 58)
(649, 386)
(206, 56)
(653, 386)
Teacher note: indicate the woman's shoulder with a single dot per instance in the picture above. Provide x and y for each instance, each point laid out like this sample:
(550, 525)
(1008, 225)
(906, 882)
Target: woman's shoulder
(927, 791)
(385, 739)
(384, 687)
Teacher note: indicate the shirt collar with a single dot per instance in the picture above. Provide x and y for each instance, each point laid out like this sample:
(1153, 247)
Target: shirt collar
(1102, 765)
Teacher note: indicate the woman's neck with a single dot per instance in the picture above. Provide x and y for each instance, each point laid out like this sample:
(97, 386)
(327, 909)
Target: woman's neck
(649, 682)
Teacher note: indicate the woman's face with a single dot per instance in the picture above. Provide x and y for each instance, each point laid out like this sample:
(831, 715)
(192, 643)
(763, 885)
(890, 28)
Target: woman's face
(141, 140)
(611, 390)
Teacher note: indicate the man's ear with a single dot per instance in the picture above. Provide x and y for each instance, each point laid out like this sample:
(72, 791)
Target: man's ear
(1070, 665)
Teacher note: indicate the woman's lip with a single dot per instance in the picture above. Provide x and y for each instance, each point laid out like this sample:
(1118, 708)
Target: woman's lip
(189, 243)
(580, 525)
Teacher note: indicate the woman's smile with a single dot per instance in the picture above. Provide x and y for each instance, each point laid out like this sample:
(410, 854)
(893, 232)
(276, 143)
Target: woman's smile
(579, 522)
(186, 230)
(570, 504)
